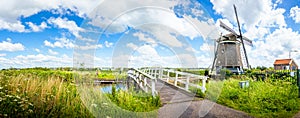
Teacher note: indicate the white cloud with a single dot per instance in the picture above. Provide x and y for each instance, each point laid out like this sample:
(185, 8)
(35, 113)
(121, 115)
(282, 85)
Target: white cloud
(2, 54)
(143, 37)
(104, 15)
(108, 44)
(52, 52)
(37, 28)
(276, 45)
(38, 50)
(165, 21)
(263, 15)
(12, 26)
(191, 49)
(11, 10)
(8, 46)
(66, 24)
(39, 60)
(132, 46)
(265, 24)
(88, 47)
(295, 14)
(60, 42)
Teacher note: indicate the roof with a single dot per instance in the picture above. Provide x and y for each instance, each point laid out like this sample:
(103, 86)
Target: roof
(282, 61)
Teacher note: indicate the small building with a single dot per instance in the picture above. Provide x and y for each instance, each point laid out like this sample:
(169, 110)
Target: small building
(285, 64)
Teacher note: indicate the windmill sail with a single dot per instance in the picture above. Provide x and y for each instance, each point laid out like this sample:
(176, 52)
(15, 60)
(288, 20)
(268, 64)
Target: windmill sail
(227, 28)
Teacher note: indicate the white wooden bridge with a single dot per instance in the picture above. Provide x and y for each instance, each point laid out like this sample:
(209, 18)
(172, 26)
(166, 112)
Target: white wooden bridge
(158, 81)
(174, 89)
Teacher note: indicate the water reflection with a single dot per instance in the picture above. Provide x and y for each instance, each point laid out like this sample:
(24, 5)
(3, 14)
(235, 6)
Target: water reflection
(107, 88)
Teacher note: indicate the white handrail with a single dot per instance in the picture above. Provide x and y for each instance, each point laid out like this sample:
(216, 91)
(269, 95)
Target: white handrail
(153, 72)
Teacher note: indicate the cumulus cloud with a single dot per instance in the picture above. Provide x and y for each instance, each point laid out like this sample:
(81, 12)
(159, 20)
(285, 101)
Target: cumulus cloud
(8, 46)
(52, 52)
(144, 37)
(2, 54)
(88, 47)
(132, 46)
(64, 23)
(37, 50)
(162, 22)
(12, 26)
(257, 23)
(37, 28)
(27, 61)
(265, 25)
(11, 10)
(60, 43)
(276, 45)
(108, 44)
(295, 14)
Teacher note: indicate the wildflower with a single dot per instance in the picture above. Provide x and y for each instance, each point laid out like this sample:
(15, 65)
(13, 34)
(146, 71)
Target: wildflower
(94, 105)
(1, 87)
(30, 111)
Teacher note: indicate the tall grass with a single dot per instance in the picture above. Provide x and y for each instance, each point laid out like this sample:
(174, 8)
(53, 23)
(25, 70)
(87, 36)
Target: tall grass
(135, 101)
(27, 94)
(261, 99)
(49, 93)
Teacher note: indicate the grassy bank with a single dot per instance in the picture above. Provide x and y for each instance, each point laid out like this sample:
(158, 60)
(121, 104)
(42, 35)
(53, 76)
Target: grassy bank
(39, 93)
(52, 93)
(135, 101)
(104, 75)
(261, 99)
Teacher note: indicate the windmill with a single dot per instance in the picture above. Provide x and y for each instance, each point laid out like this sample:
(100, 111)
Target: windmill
(228, 53)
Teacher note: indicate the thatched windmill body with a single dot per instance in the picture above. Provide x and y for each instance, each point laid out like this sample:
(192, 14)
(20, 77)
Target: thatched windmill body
(228, 53)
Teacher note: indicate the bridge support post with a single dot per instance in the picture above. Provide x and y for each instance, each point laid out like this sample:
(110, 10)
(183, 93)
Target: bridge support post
(153, 87)
(168, 76)
(160, 73)
(203, 84)
(155, 73)
(151, 72)
(176, 78)
(187, 83)
(145, 84)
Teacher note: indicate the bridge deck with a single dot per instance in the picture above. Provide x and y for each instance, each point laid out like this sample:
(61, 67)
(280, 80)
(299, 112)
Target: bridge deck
(179, 103)
(170, 94)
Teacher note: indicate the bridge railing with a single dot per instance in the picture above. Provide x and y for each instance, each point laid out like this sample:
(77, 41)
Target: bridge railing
(180, 78)
(141, 78)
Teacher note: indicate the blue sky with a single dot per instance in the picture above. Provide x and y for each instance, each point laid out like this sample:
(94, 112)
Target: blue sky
(136, 33)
